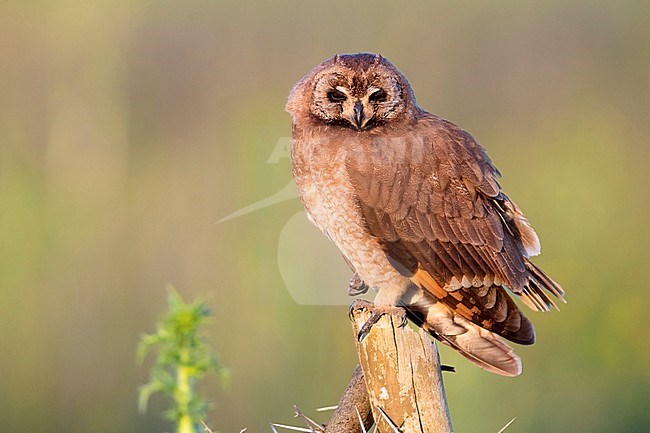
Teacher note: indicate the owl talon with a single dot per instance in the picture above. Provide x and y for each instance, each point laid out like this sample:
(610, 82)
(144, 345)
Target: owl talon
(404, 318)
(359, 304)
(357, 286)
(377, 313)
(365, 329)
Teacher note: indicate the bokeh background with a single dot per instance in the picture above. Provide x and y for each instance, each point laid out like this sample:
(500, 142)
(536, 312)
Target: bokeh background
(127, 129)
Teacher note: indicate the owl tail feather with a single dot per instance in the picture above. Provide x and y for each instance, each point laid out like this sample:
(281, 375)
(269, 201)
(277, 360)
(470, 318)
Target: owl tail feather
(483, 348)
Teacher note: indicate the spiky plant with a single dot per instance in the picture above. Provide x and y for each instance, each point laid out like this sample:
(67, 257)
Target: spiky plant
(182, 356)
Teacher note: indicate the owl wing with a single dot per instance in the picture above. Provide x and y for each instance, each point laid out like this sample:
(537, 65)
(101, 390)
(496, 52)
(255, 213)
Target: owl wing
(431, 197)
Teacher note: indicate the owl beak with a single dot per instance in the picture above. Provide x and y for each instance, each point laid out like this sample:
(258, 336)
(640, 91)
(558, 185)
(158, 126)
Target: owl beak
(358, 114)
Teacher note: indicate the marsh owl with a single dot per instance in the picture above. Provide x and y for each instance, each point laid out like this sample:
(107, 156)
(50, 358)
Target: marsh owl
(412, 202)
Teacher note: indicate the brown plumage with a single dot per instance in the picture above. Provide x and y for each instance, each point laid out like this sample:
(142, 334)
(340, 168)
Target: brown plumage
(413, 203)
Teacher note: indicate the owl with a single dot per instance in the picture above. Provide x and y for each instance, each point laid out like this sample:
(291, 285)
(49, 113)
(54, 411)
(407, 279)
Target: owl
(413, 203)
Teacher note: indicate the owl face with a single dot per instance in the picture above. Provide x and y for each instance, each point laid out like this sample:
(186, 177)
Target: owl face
(359, 91)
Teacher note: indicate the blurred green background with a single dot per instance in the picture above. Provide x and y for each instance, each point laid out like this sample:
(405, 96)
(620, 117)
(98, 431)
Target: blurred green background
(127, 129)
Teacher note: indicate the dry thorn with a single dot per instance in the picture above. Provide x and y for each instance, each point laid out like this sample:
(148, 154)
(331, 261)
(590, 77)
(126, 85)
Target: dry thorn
(289, 427)
(313, 425)
(363, 427)
(389, 421)
(208, 429)
(326, 408)
(507, 425)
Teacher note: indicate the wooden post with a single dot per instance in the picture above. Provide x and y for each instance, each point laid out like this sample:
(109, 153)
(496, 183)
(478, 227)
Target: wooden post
(353, 414)
(403, 377)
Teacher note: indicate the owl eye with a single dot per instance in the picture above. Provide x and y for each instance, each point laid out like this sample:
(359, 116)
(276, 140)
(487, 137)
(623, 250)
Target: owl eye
(378, 96)
(336, 96)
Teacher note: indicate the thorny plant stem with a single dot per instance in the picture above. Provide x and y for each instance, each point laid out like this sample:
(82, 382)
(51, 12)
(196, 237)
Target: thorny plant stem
(183, 396)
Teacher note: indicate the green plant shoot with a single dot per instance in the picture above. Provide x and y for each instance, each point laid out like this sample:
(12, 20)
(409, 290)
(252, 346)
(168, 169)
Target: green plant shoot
(182, 357)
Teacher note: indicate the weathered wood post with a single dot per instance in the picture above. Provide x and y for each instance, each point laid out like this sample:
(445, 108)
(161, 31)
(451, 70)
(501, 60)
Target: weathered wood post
(397, 384)
(403, 376)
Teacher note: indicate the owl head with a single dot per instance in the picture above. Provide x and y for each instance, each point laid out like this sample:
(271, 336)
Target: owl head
(356, 91)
